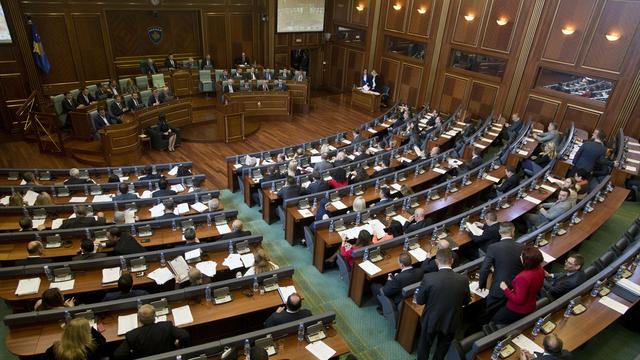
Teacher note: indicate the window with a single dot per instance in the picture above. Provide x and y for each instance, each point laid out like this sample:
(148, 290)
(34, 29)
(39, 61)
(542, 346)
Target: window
(5, 35)
(477, 63)
(578, 85)
(351, 36)
(404, 47)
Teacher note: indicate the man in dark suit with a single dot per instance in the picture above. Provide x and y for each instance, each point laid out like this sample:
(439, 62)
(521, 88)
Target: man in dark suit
(444, 293)
(242, 60)
(151, 338)
(135, 103)
(103, 92)
(163, 189)
(118, 108)
(87, 251)
(376, 82)
(558, 284)
(74, 178)
(356, 137)
(122, 242)
(513, 128)
(395, 282)
(385, 196)
(156, 98)
(430, 265)
(280, 86)
(490, 233)
(504, 258)
(81, 220)
(170, 63)
(169, 207)
(103, 119)
(417, 221)
(236, 231)
(150, 67)
(267, 75)
(85, 98)
(149, 174)
(552, 350)
(384, 169)
(476, 160)
(114, 88)
(290, 190)
(124, 193)
(34, 257)
(366, 78)
(125, 285)
(229, 87)
(317, 184)
(207, 62)
(590, 153)
(291, 312)
(511, 180)
(263, 86)
(68, 105)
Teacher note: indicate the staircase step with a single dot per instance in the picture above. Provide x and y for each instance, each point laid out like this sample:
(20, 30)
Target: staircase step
(90, 159)
(85, 147)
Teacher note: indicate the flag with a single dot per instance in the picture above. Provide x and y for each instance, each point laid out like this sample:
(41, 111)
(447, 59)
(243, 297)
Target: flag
(39, 55)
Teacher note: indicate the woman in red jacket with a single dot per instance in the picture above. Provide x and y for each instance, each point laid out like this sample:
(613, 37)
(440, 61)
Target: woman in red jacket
(521, 297)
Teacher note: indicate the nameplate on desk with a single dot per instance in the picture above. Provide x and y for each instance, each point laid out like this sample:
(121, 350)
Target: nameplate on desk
(440, 171)
(480, 146)
(492, 178)
(548, 188)
(522, 152)
(531, 199)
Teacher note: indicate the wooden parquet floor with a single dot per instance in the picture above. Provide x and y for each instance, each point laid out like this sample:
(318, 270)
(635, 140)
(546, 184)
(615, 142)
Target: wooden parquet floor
(330, 113)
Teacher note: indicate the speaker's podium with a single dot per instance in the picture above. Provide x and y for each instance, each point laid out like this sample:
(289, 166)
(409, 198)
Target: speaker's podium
(232, 125)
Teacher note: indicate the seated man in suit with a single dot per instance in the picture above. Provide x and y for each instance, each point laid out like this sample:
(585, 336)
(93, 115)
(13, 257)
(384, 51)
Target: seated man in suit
(125, 291)
(474, 162)
(68, 105)
(513, 128)
(34, 251)
(236, 231)
(156, 98)
(395, 282)
(81, 220)
(102, 92)
(122, 242)
(490, 234)
(280, 86)
(170, 63)
(149, 174)
(74, 178)
(292, 312)
(290, 190)
(87, 251)
(285, 75)
(263, 86)
(118, 108)
(417, 221)
(151, 338)
(150, 67)
(558, 284)
(207, 63)
(323, 164)
(164, 190)
(384, 169)
(385, 196)
(267, 75)
(114, 88)
(245, 85)
(552, 134)
(552, 350)
(26, 224)
(124, 194)
(301, 76)
(317, 184)
(103, 119)
(376, 82)
(190, 237)
(242, 60)
(511, 180)
(250, 74)
(229, 87)
(169, 207)
(429, 265)
(548, 211)
(85, 98)
(135, 103)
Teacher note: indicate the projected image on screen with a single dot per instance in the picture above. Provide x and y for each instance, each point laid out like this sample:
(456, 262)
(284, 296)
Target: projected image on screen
(5, 35)
(300, 15)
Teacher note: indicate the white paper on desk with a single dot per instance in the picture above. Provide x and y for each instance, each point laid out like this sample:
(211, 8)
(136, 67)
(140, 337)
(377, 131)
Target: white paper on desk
(401, 219)
(418, 152)
(331, 148)
(314, 151)
(157, 211)
(419, 254)
(339, 205)
(235, 166)
(37, 222)
(629, 286)
(373, 150)
(78, 199)
(5, 200)
(439, 170)
(174, 171)
(208, 268)
(345, 141)
(146, 195)
(180, 269)
(454, 162)
(23, 182)
(101, 198)
(160, 318)
(316, 159)
(56, 223)
(531, 199)
(129, 217)
(475, 230)
(351, 157)
(631, 168)
(369, 267)
(522, 152)
(377, 168)
(396, 187)
(527, 344)
(492, 178)
(320, 350)
(548, 188)
(614, 304)
(161, 275)
(182, 208)
(634, 151)
(377, 228)
(308, 169)
(474, 287)
(127, 323)
(248, 260)
(63, 285)
(305, 213)
(199, 207)
(285, 292)
(633, 161)
(110, 275)
(485, 139)
(177, 188)
(493, 133)
(453, 132)
(372, 130)
(223, 229)
(182, 315)
(193, 254)
(30, 197)
(124, 178)
(480, 146)
(233, 261)
(546, 257)
(385, 125)
(446, 136)
(28, 286)
(404, 159)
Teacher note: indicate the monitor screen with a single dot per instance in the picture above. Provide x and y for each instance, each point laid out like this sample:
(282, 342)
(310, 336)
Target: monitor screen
(5, 35)
(300, 16)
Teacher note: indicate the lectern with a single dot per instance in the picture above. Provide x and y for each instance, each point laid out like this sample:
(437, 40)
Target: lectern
(232, 126)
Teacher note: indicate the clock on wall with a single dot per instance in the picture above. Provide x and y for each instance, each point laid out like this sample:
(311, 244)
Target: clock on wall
(155, 2)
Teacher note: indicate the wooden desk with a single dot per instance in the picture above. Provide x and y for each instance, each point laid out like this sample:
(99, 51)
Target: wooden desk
(261, 103)
(81, 121)
(177, 113)
(366, 100)
(524, 152)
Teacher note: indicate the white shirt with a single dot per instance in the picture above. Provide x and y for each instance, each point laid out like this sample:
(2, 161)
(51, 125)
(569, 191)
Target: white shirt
(230, 88)
(106, 122)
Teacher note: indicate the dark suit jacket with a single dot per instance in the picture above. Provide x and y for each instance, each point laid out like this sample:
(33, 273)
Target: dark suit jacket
(125, 197)
(430, 265)
(152, 100)
(150, 340)
(413, 226)
(562, 283)
(509, 183)
(281, 87)
(289, 192)
(239, 60)
(204, 64)
(82, 222)
(117, 110)
(382, 172)
(490, 235)
(68, 107)
(363, 155)
(99, 122)
(160, 193)
(80, 100)
(76, 181)
(235, 234)
(168, 215)
(393, 288)
(316, 186)
(168, 64)
(88, 256)
(126, 245)
(565, 355)
(589, 153)
(444, 293)
(32, 261)
(117, 295)
(504, 256)
(474, 162)
(378, 85)
(285, 317)
(225, 89)
(133, 106)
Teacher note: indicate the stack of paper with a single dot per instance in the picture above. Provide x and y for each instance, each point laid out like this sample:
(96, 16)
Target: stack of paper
(129, 217)
(127, 323)
(56, 223)
(339, 205)
(305, 213)
(63, 285)
(320, 350)
(527, 344)
(546, 257)
(110, 275)
(369, 267)
(28, 286)
(157, 210)
(491, 178)
(614, 305)
(182, 208)
(174, 171)
(180, 268)
(531, 199)
(285, 291)
(233, 261)
(160, 275)
(401, 219)
(419, 254)
(182, 315)
(474, 287)
(208, 268)
(30, 197)
(248, 260)
(223, 229)
(78, 199)
(475, 230)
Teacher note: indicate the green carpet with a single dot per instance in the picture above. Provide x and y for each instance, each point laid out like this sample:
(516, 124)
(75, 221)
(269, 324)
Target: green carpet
(368, 335)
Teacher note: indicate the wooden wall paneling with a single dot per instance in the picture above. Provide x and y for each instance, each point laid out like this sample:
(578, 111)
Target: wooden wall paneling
(297, 39)
(632, 128)
(540, 109)
(94, 62)
(562, 48)
(360, 17)
(241, 35)
(620, 17)
(354, 66)
(281, 60)
(482, 99)
(336, 67)
(468, 32)
(396, 19)
(282, 40)
(312, 39)
(341, 10)
(390, 70)
(420, 23)
(584, 118)
(216, 39)
(13, 92)
(410, 84)
(498, 37)
(453, 93)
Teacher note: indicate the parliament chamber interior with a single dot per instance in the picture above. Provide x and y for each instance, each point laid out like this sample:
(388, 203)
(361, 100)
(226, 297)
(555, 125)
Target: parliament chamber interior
(320, 179)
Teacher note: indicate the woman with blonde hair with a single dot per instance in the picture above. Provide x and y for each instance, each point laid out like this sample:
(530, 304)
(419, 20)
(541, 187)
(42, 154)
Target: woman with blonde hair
(44, 199)
(536, 163)
(292, 168)
(359, 204)
(79, 341)
(261, 264)
(16, 200)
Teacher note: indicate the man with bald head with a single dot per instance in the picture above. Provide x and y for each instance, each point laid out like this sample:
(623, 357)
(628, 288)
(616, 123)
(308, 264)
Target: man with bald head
(151, 337)
(74, 178)
(417, 221)
(236, 231)
(34, 249)
(430, 265)
(291, 312)
(552, 350)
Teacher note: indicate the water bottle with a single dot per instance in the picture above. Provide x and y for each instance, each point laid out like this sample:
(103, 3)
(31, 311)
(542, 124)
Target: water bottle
(247, 349)
(150, 186)
(273, 187)
(139, 303)
(87, 234)
(619, 273)
(415, 295)
(256, 287)
(301, 332)
(115, 206)
(230, 247)
(351, 191)
(358, 218)
(536, 328)
(596, 288)
(315, 204)
(178, 357)
(48, 273)
(123, 264)
(365, 256)
(495, 355)
(405, 246)
(209, 220)
(331, 226)
(25, 212)
(133, 230)
(207, 293)
(377, 184)
(86, 190)
(67, 316)
(163, 261)
(173, 225)
(463, 224)
(567, 311)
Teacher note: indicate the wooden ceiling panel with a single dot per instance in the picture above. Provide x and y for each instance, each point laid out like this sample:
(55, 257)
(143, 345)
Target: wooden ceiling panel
(540, 109)
(564, 48)
(468, 22)
(583, 118)
(501, 24)
(396, 14)
(421, 18)
(360, 12)
(453, 93)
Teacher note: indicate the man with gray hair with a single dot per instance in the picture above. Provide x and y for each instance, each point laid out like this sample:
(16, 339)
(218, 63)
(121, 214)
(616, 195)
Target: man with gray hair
(323, 164)
(74, 178)
(395, 282)
(119, 217)
(152, 337)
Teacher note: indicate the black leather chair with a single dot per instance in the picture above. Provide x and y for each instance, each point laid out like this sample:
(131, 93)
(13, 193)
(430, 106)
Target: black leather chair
(389, 310)
(309, 238)
(461, 349)
(343, 268)
(620, 245)
(606, 259)
(591, 271)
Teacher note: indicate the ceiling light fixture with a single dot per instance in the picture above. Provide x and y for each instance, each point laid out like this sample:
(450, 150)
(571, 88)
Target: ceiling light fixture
(568, 30)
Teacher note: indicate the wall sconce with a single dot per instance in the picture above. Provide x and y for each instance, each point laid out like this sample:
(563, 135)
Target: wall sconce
(360, 7)
(502, 21)
(422, 10)
(397, 6)
(613, 36)
(568, 30)
(469, 17)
